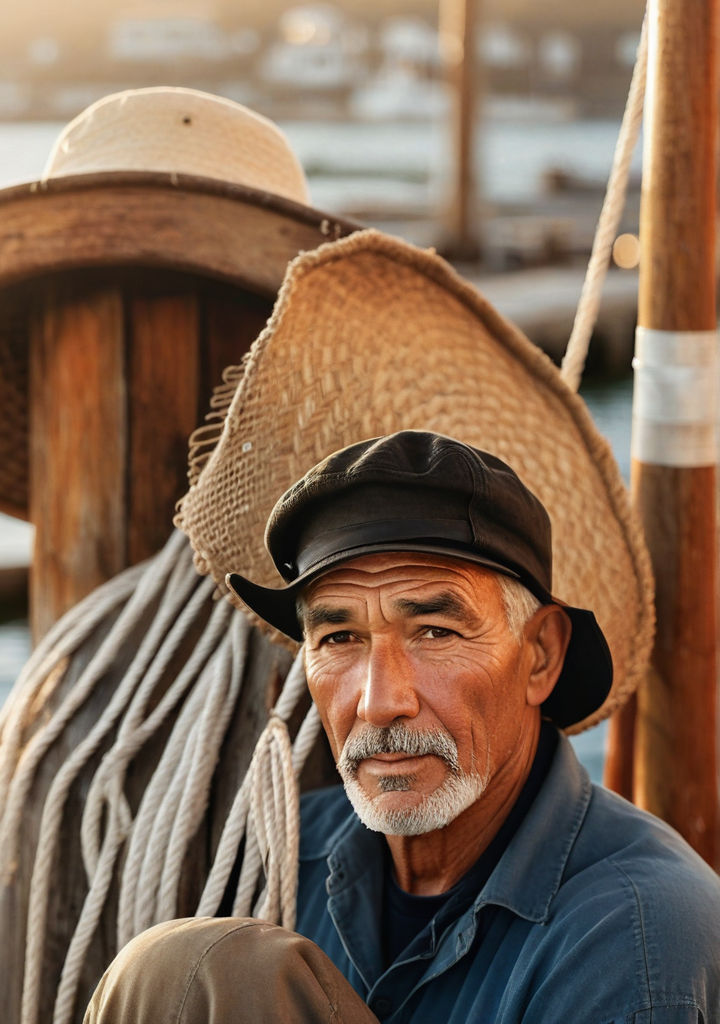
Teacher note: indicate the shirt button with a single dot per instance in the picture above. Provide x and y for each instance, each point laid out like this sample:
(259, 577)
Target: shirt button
(382, 1007)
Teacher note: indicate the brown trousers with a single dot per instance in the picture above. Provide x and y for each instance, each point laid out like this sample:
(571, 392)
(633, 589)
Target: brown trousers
(223, 971)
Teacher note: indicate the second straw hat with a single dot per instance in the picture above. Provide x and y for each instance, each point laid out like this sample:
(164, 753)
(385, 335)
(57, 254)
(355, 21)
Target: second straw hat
(184, 131)
(371, 335)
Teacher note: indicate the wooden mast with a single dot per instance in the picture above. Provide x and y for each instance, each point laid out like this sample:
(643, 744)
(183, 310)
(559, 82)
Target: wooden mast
(674, 421)
(458, 23)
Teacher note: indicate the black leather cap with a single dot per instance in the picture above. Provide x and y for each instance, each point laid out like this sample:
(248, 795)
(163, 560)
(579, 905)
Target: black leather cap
(419, 491)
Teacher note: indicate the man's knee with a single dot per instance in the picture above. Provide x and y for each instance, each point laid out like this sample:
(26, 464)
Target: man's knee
(222, 971)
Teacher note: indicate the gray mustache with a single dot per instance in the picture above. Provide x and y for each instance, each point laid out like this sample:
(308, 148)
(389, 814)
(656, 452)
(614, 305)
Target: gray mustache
(397, 739)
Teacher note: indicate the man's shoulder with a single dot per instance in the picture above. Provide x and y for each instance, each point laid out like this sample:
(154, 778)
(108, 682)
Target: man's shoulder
(624, 839)
(607, 839)
(325, 815)
(634, 917)
(635, 889)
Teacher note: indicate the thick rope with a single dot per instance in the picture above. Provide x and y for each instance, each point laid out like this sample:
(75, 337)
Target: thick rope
(51, 820)
(194, 798)
(276, 817)
(227, 851)
(135, 731)
(249, 819)
(197, 785)
(175, 770)
(46, 666)
(573, 361)
(153, 826)
(152, 840)
(155, 842)
(170, 580)
(134, 612)
(116, 833)
(64, 636)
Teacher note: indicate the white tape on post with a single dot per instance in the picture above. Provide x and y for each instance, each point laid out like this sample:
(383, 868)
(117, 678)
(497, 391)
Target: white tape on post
(675, 398)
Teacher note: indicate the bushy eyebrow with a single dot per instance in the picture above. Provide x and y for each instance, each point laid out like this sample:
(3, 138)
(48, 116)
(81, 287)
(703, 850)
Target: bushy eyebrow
(322, 615)
(444, 603)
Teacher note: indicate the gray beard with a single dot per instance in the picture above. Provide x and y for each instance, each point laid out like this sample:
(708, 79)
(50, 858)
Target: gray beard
(456, 793)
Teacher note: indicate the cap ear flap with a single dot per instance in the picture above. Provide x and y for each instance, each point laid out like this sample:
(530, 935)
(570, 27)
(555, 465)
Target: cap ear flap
(587, 673)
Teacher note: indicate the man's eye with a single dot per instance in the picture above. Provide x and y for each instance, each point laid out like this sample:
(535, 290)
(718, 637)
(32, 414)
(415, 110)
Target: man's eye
(341, 636)
(437, 632)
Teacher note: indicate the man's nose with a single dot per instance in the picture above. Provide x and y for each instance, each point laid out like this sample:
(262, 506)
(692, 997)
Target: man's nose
(389, 686)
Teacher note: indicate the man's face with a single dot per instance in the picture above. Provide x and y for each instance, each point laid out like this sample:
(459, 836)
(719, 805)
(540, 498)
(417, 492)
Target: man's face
(421, 688)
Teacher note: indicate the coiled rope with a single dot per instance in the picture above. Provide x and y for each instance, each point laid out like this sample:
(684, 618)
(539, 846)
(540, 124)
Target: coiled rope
(203, 693)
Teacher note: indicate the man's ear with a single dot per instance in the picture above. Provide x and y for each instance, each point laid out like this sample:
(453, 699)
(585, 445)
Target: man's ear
(548, 634)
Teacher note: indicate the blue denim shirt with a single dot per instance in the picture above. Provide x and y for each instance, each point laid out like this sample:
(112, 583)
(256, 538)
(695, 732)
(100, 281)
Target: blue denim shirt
(596, 913)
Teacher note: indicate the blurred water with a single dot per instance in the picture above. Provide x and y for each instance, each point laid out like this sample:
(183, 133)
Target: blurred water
(350, 163)
(15, 541)
(24, 149)
(343, 161)
(610, 406)
(14, 652)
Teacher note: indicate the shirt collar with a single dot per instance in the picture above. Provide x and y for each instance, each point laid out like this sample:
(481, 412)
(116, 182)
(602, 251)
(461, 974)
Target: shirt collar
(529, 874)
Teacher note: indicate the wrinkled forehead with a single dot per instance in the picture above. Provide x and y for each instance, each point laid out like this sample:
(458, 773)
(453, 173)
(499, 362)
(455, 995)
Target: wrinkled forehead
(398, 572)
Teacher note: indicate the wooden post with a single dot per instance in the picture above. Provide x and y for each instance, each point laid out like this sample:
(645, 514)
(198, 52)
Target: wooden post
(619, 769)
(163, 373)
(78, 450)
(458, 22)
(121, 373)
(674, 413)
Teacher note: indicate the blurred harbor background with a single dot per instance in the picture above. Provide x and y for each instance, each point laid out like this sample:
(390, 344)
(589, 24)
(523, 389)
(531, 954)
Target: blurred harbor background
(361, 91)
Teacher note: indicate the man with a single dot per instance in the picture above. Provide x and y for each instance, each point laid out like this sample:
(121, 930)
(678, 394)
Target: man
(475, 873)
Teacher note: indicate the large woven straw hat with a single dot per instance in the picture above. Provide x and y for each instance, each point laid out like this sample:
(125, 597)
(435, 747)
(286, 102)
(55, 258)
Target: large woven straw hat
(371, 335)
(182, 131)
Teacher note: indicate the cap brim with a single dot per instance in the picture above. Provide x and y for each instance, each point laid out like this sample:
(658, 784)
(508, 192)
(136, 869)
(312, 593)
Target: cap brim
(278, 605)
(275, 606)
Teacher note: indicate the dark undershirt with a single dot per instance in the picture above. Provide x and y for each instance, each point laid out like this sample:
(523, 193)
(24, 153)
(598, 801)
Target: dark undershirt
(405, 914)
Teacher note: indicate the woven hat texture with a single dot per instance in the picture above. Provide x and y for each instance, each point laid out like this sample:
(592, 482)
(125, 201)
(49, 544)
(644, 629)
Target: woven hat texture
(182, 131)
(371, 335)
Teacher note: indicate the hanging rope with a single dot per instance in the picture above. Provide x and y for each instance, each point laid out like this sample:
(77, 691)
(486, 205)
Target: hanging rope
(46, 667)
(202, 693)
(134, 612)
(215, 694)
(586, 316)
(265, 813)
